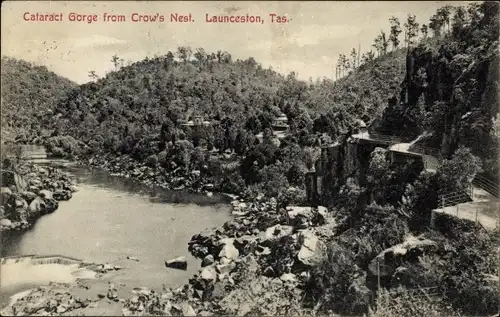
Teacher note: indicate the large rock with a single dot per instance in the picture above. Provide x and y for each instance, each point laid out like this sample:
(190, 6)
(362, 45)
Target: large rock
(387, 261)
(187, 310)
(229, 251)
(275, 233)
(5, 193)
(208, 260)
(312, 250)
(50, 205)
(36, 207)
(177, 263)
(28, 196)
(208, 273)
(224, 269)
(205, 243)
(46, 194)
(5, 224)
(62, 194)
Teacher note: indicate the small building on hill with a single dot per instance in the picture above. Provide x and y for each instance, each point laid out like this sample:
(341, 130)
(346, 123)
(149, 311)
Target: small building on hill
(280, 123)
(197, 121)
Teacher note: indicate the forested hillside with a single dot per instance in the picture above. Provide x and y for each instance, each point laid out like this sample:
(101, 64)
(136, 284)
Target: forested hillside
(451, 86)
(166, 89)
(28, 92)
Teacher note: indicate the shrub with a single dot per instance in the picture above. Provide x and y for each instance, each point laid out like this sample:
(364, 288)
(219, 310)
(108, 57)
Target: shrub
(408, 305)
(152, 160)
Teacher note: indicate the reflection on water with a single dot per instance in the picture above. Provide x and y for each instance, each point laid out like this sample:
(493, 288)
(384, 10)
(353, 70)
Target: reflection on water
(110, 218)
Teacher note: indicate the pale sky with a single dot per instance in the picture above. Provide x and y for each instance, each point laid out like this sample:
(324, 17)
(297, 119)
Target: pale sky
(309, 44)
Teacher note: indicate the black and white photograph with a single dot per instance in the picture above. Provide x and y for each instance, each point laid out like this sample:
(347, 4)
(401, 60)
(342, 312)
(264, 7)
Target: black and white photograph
(250, 158)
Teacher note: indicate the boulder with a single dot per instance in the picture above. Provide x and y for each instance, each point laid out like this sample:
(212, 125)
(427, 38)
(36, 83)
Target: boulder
(269, 272)
(276, 232)
(187, 310)
(296, 211)
(28, 196)
(289, 277)
(387, 261)
(208, 273)
(208, 260)
(46, 194)
(36, 207)
(229, 251)
(5, 224)
(177, 263)
(6, 194)
(312, 250)
(50, 205)
(225, 268)
(5, 191)
(62, 194)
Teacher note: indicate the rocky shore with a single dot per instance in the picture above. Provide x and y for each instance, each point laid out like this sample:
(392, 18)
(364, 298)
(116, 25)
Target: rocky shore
(31, 191)
(262, 248)
(257, 263)
(173, 178)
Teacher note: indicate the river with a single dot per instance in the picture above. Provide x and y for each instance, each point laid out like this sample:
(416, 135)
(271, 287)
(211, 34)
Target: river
(110, 218)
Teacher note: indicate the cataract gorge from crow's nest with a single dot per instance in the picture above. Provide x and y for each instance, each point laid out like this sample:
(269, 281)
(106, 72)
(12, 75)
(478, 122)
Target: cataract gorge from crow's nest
(198, 184)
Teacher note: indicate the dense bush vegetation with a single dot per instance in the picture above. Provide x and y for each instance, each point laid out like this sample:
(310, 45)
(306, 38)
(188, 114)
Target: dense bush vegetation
(138, 110)
(28, 93)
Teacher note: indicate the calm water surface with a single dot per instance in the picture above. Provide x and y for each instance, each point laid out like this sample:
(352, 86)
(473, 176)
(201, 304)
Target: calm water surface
(110, 218)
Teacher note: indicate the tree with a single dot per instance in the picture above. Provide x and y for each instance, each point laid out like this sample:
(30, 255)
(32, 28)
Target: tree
(457, 173)
(200, 55)
(342, 64)
(167, 132)
(459, 20)
(411, 30)
(184, 53)
(424, 30)
(367, 57)
(354, 57)
(395, 31)
(444, 13)
(116, 61)
(381, 43)
(436, 24)
(93, 75)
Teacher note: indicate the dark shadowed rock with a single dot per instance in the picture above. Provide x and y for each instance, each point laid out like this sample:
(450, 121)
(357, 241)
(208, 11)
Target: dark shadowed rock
(46, 194)
(208, 260)
(61, 194)
(177, 263)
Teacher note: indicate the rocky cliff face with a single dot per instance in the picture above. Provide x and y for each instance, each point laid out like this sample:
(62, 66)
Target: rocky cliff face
(451, 89)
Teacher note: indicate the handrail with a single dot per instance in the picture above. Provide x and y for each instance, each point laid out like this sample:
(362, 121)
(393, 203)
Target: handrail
(482, 184)
(488, 186)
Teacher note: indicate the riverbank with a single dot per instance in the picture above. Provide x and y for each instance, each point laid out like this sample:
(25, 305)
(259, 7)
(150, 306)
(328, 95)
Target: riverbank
(174, 178)
(261, 246)
(29, 192)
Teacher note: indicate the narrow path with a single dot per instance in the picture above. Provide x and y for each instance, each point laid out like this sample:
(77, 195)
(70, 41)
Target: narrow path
(484, 207)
